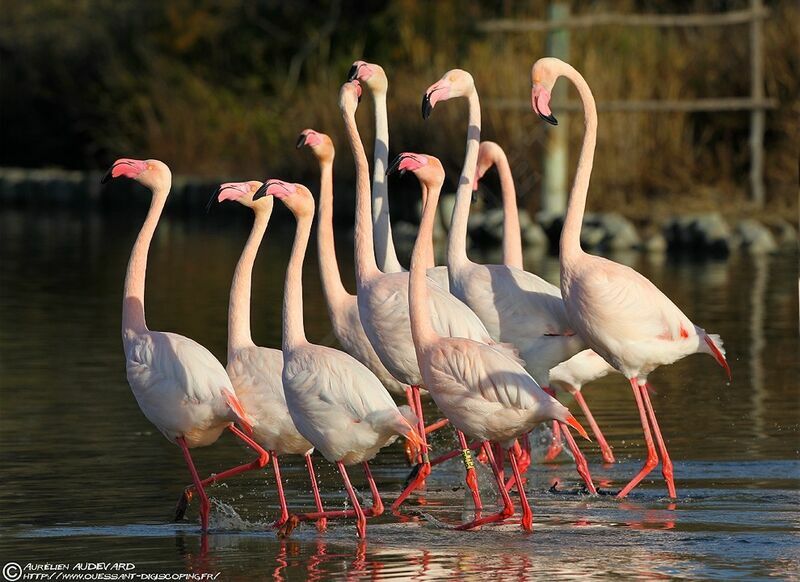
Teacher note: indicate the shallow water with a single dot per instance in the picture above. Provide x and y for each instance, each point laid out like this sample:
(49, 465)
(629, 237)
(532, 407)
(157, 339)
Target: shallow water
(87, 479)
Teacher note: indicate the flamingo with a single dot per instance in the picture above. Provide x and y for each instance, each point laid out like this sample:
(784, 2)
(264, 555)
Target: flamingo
(374, 78)
(342, 306)
(334, 400)
(179, 385)
(516, 306)
(485, 393)
(572, 374)
(255, 372)
(383, 302)
(618, 312)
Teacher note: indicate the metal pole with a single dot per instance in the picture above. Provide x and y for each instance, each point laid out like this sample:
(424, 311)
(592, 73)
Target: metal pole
(757, 114)
(556, 154)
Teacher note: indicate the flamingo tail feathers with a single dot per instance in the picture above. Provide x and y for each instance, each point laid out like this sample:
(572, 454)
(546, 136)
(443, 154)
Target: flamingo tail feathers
(241, 416)
(716, 349)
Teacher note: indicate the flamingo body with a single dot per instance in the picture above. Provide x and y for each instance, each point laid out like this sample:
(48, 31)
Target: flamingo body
(180, 387)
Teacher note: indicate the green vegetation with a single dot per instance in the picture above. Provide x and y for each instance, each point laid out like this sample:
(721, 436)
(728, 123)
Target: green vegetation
(222, 87)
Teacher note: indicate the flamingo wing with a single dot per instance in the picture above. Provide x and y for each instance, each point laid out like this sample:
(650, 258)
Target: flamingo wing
(179, 385)
(616, 299)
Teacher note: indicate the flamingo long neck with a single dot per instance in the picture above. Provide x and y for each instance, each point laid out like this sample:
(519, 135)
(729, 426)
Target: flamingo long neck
(293, 329)
(366, 266)
(133, 318)
(457, 238)
(570, 243)
(422, 331)
(384, 244)
(429, 259)
(239, 303)
(332, 285)
(512, 237)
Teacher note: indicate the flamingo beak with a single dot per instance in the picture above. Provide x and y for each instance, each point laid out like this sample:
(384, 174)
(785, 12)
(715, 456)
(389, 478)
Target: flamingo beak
(540, 103)
(301, 141)
(395, 165)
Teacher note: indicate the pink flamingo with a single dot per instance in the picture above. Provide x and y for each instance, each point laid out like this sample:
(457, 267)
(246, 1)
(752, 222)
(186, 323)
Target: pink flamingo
(334, 400)
(180, 386)
(373, 77)
(621, 315)
(516, 306)
(255, 372)
(343, 306)
(485, 394)
(383, 300)
(572, 374)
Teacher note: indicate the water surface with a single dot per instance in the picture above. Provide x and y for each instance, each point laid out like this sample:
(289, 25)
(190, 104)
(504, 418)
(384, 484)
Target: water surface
(87, 478)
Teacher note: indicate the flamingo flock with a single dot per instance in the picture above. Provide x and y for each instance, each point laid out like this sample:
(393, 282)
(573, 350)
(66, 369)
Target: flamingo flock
(488, 344)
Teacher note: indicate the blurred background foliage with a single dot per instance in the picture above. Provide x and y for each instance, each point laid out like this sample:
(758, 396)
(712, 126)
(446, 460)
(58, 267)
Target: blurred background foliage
(222, 87)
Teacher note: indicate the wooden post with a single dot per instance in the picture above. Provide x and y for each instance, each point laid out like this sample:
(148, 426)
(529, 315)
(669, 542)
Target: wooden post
(556, 154)
(758, 113)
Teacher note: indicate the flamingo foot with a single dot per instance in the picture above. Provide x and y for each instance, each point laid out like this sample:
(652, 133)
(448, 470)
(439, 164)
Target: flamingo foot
(417, 480)
(288, 527)
(183, 504)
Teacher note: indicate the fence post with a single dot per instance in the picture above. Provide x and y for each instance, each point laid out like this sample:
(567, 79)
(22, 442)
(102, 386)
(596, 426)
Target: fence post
(556, 153)
(758, 113)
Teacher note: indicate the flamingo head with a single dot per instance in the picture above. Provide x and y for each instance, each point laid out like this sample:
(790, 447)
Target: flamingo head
(427, 169)
(350, 97)
(543, 78)
(370, 74)
(319, 143)
(488, 154)
(241, 192)
(296, 197)
(454, 83)
(153, 174)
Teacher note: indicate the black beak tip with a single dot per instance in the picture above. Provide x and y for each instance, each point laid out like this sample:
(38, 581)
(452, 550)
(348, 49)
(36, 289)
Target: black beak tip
(353, 73)
(301, 141)
(106, 177)
(213, 199)
(261, 192)
(549, 119)
(395, 164)
(426, 106)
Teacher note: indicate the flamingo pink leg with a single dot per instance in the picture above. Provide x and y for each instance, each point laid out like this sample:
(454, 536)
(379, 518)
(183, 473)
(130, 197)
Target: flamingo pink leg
(281, 498)
(205, 505)
(258, 463)
(666, 462)
(527, 514)
(377, 503)
(434, 426)
(556, 446)
(652, 456)
(508, 505)
(423, 469)
(361, 519)
(580, 461)
(605, 449)
(322, 516)
(454, 453)
(322, 523)
(472, 476)
(523, 463)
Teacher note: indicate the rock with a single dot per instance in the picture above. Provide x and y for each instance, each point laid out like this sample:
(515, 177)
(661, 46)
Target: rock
(755, 237)
(706, 232)
(785, 234)
(620, 232)
(655, 243)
